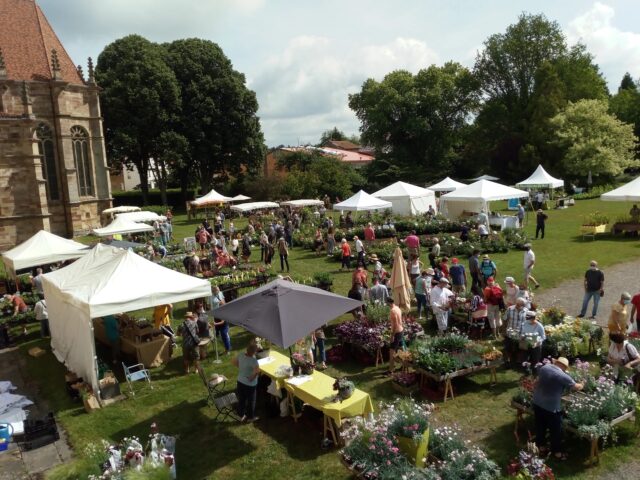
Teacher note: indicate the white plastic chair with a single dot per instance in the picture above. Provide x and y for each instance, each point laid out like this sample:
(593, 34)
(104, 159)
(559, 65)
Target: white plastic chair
(136, 373)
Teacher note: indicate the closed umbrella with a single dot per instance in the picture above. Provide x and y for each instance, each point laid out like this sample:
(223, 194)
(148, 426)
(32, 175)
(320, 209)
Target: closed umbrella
(284, 312)
(400, 282)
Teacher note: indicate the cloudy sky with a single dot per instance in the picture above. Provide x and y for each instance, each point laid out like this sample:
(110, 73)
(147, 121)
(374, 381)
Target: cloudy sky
(304, 57)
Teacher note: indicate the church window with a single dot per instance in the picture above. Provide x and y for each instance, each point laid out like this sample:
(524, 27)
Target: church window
(82, 160)
(46, 151)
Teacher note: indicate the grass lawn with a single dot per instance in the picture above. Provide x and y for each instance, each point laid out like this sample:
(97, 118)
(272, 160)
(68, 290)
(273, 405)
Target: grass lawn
(277, 448)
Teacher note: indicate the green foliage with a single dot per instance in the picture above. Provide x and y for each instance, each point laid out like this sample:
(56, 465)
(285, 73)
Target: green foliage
(413, 121)
(333, 134)
(595, 192)
(596, 218)
(323, 278)
(592, 139)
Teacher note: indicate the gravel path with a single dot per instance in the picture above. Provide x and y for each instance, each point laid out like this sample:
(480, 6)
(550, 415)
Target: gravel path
(624, 277)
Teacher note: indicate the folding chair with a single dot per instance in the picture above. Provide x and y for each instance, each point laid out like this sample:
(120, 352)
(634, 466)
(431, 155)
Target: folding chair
(226, 406)
(214, 386)
(136, 373)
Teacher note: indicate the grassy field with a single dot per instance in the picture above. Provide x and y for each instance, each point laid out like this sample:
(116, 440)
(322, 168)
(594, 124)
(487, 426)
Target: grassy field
(277, 448)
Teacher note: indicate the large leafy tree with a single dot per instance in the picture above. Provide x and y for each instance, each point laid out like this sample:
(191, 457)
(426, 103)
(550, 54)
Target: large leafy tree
(626, 104)
(140, 97)
(326, 175)
(332, 134)
(593, 140)
(413, 121)
(527, 75)
(219, 113)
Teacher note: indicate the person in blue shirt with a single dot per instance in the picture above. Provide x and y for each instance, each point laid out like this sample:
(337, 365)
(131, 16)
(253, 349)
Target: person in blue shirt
(222, 327)
(248, 371)
(549, 387)
(458, 277)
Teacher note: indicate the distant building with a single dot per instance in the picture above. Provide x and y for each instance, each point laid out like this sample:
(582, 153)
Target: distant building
(342, 145)
(125, 179)
(53, 169)
(353, 157)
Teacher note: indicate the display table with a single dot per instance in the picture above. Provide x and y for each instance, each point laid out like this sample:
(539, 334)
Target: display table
(317, 391)
(504, 222)
(625, 228)
(151, 354)
(446, 379)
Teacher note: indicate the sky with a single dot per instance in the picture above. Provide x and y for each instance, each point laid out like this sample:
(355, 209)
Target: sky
(303, 58)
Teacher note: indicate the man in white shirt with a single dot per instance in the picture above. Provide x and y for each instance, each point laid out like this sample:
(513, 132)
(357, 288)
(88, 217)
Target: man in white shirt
(379, 293)
(483, 218)
(529, 262)
(40, 309)
(360, 252)
(440, 304)
(37, 281)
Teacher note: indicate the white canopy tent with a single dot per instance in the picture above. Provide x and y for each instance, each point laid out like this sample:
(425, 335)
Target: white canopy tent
(122, 225)
(121, 209)
(240, 198)
(485, 177)
(407, 199)
(304, 202)
(362, 201)
(211, 198)
(540, 179)
(476, 197)
(42, 249)
(629, 192)
(142, 216)
(446, 185)
(106, 281)
(247, 207)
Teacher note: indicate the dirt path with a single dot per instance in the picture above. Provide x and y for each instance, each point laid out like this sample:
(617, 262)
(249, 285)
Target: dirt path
(624, 277)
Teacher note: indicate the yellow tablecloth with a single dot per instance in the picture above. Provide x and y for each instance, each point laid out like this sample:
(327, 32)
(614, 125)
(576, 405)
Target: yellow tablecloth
(318, 392)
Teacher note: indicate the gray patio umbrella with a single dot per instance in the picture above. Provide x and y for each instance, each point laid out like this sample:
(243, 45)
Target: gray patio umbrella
(284, 312)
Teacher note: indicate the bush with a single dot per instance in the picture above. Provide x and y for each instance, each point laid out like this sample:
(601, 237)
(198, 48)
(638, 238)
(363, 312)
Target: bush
(595, 192)
(134, 198)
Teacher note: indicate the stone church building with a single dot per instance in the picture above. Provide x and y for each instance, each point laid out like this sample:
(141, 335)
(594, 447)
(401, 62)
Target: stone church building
(53, 167)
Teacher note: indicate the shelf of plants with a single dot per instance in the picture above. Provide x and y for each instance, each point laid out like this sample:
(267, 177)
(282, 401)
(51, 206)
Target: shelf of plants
(401, 442)
(591, 413)
(568, 336)
(453, 355)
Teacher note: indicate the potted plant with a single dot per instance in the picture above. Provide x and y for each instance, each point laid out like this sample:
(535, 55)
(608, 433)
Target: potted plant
(344, 387)
(404, 382)
(264, 348)
(323, 280)
(529, 466)
(411, 428)
(595, 222)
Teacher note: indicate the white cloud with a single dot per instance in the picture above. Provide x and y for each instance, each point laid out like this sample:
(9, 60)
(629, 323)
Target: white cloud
(616, 51)
(304, 89)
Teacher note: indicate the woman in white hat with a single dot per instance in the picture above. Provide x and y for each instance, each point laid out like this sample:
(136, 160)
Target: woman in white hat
(441, 304)
(510, 291)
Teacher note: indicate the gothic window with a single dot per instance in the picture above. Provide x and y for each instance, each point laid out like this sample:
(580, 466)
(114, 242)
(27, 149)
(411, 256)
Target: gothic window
(82, 160)
(48, 160)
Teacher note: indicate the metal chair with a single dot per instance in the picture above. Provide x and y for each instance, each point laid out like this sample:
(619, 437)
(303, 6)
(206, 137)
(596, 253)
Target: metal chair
(225, 403)
(136, 373)
(214, 386)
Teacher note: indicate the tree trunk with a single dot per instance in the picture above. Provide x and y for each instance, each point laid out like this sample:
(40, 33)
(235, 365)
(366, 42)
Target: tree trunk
(184, 185)
(143, 171)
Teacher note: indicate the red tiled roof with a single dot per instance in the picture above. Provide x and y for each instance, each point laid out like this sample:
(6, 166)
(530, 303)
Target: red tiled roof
(26, 39)
(341, 144)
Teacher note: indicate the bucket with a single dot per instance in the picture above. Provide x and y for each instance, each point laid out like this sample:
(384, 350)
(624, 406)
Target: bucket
(6, 430)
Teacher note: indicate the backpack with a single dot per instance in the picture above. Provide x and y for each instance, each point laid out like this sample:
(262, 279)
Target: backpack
(487, 268)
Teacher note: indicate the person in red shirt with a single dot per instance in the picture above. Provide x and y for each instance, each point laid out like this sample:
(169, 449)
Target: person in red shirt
(369, 234)
(413, 244)
(361, 275)
(493, 299)
(635, 310)
(346, 254)
(18, 304)
(444, 267)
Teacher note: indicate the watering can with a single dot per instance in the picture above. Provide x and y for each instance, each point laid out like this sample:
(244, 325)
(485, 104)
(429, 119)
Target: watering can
(6, 431)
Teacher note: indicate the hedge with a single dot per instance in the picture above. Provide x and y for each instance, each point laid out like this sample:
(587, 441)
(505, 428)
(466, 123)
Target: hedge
(134, 198)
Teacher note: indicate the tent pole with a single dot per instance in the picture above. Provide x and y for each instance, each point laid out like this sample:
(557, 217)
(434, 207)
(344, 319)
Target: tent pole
(290, 357)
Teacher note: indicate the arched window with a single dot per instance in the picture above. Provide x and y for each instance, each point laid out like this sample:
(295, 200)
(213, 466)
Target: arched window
(48, 160)
(82, 160)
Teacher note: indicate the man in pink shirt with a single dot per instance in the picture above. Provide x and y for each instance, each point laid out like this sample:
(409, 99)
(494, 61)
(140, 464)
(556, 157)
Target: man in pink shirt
(413, 243)
(397, 329)
(369, 235)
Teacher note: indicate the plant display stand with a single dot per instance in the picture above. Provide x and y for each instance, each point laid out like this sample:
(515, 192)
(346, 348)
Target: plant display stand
(592, 230)
(447, 378)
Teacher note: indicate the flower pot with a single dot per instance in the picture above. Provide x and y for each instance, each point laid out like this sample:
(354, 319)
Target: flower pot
(415, 449)
(306, 369)
(593, 229)
(345, 392)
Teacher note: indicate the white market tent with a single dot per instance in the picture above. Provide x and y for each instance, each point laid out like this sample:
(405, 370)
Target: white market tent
(42, 249)
(121, 209)
(446, 185)
(106, 281)
(407, 199)
(122, 225)
(240, 198)
(142, 216)
(247, 207)
(303, 202)
(629, 192)
(362, 201)
(475, 197)
(540, 179)
(211, 198)
(485, 177)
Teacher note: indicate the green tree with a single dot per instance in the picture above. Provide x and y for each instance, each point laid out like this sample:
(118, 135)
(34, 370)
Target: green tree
(139, 98)
(625, 105)
(627, 83)
(593, 140)
(333, 134)
(219, 113)
(413, 121)
(325, 175)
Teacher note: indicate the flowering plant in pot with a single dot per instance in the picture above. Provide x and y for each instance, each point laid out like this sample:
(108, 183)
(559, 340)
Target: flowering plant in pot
(344, 387)
(264, 347)
(529, 466)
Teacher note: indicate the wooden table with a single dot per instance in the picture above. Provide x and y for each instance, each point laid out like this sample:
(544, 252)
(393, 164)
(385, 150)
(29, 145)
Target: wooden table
(151, 354)
(448, 386)
(317, 392)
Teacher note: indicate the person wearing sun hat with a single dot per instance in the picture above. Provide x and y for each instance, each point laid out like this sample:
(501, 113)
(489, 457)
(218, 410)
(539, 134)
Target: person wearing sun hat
(551, 384)
(510, 291)
(441, 304)
(487, 269)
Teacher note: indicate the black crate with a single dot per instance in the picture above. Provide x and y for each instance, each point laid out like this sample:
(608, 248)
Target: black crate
(111, 390)
(39, 441)
(34, 428)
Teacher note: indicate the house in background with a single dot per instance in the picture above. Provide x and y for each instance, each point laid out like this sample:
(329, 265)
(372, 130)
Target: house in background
(125, 179)
(353, 157)
(53, 169)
